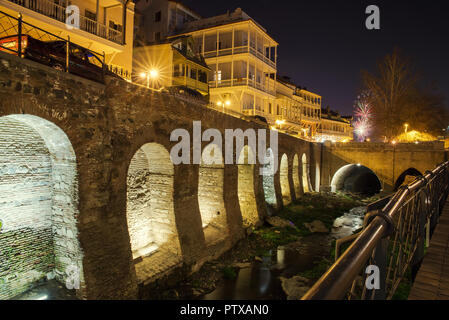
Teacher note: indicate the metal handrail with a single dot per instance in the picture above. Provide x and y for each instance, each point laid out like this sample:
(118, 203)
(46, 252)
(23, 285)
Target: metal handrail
(418, 204)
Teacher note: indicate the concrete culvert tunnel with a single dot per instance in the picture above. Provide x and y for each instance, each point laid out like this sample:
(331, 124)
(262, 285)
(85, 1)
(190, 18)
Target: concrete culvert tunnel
(357, 179)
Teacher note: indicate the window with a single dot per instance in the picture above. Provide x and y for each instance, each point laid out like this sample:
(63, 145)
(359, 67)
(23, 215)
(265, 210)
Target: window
(193, 73)
(217, 76)
(157, 16)
(179, 70)
(202, 76)
(115, 26)
(157, 36)
(269, 108)
(90, 15)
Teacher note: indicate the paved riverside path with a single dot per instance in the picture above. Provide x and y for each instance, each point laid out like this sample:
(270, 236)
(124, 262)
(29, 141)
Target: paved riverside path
(432, 280)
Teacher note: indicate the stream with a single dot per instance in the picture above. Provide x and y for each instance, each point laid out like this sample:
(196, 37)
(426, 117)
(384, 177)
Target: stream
(260, 280)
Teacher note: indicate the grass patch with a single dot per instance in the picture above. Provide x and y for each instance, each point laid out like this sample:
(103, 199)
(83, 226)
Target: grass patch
(310, 207)
(229, 272)
(318, 270)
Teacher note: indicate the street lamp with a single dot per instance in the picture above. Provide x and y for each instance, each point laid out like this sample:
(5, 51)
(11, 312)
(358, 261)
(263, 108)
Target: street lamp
(151, 74)
(226, 103)
(406, 127)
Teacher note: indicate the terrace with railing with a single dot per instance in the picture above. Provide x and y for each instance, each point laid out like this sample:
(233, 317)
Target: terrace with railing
(58, 12)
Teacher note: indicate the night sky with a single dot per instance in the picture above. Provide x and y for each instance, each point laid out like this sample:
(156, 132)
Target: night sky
(324, 45)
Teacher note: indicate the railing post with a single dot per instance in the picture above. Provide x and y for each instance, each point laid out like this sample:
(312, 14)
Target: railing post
(19, 39)
(420, 237)
(67, 57)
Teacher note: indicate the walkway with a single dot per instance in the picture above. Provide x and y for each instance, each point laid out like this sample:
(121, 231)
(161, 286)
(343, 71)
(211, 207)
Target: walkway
(432, 281)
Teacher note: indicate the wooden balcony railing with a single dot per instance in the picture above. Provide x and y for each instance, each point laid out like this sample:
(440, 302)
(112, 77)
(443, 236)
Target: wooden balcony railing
(57, 12)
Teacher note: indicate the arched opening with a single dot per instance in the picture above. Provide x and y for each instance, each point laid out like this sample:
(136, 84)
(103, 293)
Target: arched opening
(210, 194)
(295, 175)
(268, 179)
(38, 207)
(357, 179)
(305, 174)
(406, 177)
(150, 211)
(285, 185)
(247, 197)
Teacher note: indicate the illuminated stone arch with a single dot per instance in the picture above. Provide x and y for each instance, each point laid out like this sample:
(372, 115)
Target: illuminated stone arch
(305, 174)
(38, 206)
(295, 176)
(355, 178)
(246, 194)
(150, 212)
(268, 179)
(285, 185)
(210, 194)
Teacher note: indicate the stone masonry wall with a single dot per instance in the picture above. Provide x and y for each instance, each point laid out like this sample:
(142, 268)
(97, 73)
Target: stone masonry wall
(106, 125)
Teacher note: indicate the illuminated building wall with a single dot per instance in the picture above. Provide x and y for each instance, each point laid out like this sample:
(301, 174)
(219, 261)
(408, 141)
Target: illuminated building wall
(242, 61)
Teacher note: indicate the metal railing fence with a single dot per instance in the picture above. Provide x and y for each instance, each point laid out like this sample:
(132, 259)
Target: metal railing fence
(12, 26)
(393, 239)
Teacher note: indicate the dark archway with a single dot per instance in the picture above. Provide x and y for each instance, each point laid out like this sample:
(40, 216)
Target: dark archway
(357, 179)
(404, 177)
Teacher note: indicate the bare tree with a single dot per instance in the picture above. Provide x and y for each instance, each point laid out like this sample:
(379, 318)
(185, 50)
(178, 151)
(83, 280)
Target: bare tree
(396, 98)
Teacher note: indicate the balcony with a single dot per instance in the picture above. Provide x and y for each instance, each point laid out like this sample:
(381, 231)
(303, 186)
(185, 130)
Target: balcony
(57, 12)
(179, 79)
(242, 82)
(238, 50)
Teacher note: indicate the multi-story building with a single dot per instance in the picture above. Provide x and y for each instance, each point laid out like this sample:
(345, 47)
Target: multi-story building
(310, 112)
(242, 61)
(157, 19)
(171, 63)
(105, 26)
(286, 112)
(334, 127)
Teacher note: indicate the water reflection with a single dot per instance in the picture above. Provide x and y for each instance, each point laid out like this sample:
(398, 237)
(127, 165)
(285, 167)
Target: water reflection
(261, 281)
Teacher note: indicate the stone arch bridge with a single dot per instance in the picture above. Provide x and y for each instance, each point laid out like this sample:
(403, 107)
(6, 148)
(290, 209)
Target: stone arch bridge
(88, 191)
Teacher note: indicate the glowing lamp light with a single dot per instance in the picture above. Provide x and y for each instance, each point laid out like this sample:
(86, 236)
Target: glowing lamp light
(393, 142)
(228, 102)
(154, 73)
(280, 122)
(143, 75)
(219, 103)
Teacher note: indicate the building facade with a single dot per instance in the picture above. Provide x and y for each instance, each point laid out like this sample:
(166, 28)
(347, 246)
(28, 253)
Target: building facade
(334, 127)
(242, 61)
(105, 26)
(157, 19)
(171, 63)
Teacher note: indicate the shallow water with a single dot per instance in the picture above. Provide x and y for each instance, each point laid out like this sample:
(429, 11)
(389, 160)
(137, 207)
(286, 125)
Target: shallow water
(260, 281)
